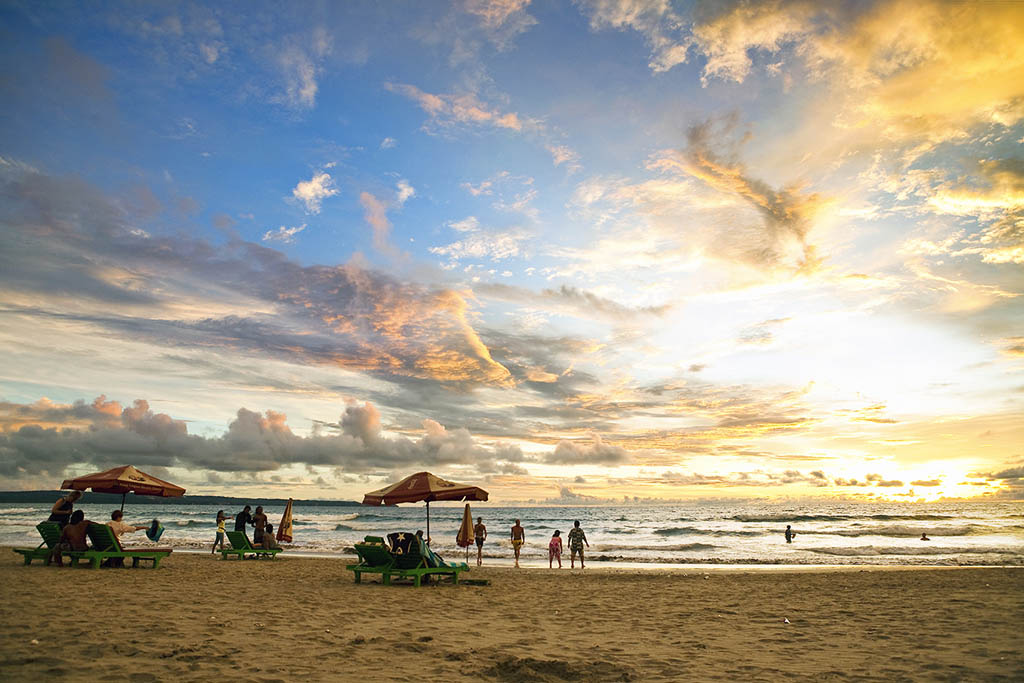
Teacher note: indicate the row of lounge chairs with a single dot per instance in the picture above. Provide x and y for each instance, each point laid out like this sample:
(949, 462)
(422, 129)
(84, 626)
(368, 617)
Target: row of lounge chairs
(405, 556)
(105, 546)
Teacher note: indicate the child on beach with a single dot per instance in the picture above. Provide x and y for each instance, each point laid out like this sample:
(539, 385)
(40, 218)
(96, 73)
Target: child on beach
(219, 540)
(555, 549)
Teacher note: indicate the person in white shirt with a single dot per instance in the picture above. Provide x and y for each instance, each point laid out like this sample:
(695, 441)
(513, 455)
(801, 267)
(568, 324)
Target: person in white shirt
(118, 526)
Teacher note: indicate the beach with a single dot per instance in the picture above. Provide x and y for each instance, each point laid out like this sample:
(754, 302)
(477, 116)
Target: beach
(200, 618)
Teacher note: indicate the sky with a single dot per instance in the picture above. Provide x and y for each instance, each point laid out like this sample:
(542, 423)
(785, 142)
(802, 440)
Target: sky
(572, 252)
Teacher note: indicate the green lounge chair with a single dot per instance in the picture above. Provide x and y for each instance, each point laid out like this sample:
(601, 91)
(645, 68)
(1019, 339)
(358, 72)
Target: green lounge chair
(408, 559)
(374, 557)
(241, 547)
(105, 546)
(50, 531)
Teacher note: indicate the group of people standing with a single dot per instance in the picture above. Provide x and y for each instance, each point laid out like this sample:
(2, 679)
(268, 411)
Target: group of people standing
(262, 533)
(517, 536)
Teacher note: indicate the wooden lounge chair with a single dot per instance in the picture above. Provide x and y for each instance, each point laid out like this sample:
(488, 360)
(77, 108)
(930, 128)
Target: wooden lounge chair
(407, 560)
(105, 546)
(241, 547)
(50, 531)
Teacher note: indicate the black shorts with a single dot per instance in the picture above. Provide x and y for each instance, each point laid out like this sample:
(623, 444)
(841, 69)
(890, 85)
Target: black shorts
(479, 543)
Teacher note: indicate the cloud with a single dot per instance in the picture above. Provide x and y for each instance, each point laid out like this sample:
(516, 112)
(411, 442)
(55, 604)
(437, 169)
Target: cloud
(404, 191)
(388, 143)
(570, 300)
(596, 453)
(786, 214)
(927, 482)
(299, 64)
(45, 437)
(314, 191)
(447, 110)
(478, 243)
(236, 296)
(654, 19)
(283, 234)
(562, 154)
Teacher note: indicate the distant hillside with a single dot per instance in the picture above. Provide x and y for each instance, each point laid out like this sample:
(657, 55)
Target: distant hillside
(114, 498)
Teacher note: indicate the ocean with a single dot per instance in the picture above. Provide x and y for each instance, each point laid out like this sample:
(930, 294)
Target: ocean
(966, 533)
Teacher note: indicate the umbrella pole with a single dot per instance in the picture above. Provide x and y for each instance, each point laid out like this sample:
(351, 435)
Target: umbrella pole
(428, 520)
(123, 496)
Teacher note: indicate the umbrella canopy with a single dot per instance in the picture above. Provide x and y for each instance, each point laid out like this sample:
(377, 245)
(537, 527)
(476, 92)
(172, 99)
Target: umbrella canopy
(423, 486)
(426, 487)
(124, 480)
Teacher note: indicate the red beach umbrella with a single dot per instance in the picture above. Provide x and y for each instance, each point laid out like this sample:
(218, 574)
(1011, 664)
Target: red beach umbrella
(423, 486)
(124, 480)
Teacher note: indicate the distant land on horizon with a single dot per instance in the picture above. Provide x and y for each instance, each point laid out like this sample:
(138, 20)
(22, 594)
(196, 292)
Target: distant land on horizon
(114, 498)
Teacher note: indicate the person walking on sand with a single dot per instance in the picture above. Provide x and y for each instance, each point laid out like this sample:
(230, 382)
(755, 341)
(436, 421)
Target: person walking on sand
(790, 534)
(576, 540)
(219, 540)
(518, 538)
(555, 549)
(479, 535)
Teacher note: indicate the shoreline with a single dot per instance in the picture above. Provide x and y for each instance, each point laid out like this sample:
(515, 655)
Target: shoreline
(509, 563)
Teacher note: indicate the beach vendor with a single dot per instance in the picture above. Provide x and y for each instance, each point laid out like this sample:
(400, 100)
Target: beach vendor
(62, 509)
(479, 535)
(576, 540)
(518, 535)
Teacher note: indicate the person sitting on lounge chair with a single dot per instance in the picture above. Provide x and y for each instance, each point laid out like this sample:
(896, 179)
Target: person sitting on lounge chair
(72, 537)
(269, 542)
(119, 527)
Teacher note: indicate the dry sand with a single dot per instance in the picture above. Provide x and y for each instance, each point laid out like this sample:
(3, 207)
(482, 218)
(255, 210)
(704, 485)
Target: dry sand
(200, 618)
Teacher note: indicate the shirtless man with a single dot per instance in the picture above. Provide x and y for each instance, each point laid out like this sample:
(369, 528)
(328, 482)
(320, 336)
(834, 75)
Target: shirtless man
(518, 538)
(480, 535)
(72, 537)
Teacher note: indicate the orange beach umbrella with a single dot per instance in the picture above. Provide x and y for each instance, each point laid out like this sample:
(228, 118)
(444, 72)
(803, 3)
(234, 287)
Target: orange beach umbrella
(124, 480)
(426, 487)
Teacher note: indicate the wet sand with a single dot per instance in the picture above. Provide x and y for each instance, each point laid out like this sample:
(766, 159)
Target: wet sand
(199, 618)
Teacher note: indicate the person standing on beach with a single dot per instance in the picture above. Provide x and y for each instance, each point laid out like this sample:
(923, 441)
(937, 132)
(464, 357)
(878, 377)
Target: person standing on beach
(518, 538)
(576, 540)
(62, 509)
(259, 520)
(555, 549)
(242, 519)
(219, 540)
(479, 535)
(789, 534)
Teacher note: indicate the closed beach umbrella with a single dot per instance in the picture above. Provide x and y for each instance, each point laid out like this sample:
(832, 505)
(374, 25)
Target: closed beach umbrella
(423, 486)
(284, 529)
(464, 538)
(124, 480)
